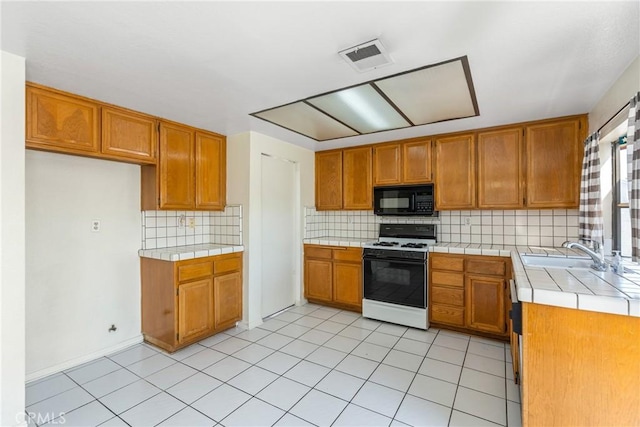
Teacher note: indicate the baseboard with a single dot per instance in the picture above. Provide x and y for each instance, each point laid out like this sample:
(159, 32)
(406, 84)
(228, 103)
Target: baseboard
(82, 359)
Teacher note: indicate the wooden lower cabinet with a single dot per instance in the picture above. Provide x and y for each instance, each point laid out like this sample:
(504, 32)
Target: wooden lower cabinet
(195, 309)
(485, 308)
(579, 367)
(186, 301)
(318, 280)
(468, 293)
(347, 279)
(227, 299)
(333, 276)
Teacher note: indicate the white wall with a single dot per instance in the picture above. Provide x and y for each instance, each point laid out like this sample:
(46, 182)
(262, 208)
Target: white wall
(80, 282)
(12, 241)
(244, 186)
(620, 92)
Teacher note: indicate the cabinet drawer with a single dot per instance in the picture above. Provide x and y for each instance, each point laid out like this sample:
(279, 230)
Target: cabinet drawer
(224, 265)
(351, 254)
(447, 263)
(195, 271)
(315, 252)
(447, 314)
(447, 296)
(496, 267)
(447, 279)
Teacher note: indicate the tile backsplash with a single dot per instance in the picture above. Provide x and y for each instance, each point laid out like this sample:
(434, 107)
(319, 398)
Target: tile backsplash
(162, 229)
(499, 227)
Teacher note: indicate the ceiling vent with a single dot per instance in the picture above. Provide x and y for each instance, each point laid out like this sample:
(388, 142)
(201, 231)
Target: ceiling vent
(367, 56)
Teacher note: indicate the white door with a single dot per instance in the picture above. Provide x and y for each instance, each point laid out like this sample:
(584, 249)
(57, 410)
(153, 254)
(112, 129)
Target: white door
(279, 194)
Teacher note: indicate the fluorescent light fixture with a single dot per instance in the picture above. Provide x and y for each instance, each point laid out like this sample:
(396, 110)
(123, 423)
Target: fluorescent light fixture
(444, 93)
(306, 120)
(361, 108)
(429, 94)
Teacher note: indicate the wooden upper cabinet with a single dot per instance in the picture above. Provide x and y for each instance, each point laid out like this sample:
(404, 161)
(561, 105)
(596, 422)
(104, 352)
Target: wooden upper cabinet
(404, 162)
(455, 181)
(191, 171)
(417, 165)
(176, 165)
(357, 176)
(211, 160)
(61, 122)
(328, 180)
(554, 156)
(387, 164)
(500, 169)
(127, 134)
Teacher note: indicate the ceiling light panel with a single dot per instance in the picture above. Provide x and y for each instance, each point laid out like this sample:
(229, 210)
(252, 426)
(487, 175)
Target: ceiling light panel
(429, 94)
(306, 120)
(362, 108)
(432, 94)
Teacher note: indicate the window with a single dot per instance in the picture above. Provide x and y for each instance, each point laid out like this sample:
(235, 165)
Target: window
(621, 226)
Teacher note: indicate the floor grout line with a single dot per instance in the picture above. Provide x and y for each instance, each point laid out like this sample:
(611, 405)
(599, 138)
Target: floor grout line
(378, 358)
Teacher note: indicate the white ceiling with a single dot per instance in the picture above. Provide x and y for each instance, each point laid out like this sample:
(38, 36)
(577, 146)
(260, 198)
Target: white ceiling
(210, 64)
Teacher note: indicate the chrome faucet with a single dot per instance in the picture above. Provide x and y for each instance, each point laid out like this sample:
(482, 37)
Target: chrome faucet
(598, 262)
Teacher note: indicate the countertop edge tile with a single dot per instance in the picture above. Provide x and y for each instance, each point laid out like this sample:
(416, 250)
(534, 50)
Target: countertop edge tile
(179, 253)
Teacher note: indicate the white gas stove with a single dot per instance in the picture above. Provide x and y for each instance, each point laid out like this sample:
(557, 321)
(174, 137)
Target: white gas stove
(395, 274)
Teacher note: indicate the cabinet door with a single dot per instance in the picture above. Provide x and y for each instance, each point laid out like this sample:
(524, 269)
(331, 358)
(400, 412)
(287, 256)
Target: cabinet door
(387, 167)
(195, 309)
(329, 180)
(63, 123)
(228, 299)
(500, 174)
(416, 158)
(358, 188)
(317, 280)
(211, 173)
(347, 283)
(485, 304)
(554, 154)
(129, 135)
(455, 183)
(176, 167)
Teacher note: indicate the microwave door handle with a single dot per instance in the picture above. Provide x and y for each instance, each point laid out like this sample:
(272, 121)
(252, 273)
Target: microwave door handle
(412, 203)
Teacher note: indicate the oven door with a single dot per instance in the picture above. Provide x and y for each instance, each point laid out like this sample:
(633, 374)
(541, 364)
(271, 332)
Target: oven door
(395, 281)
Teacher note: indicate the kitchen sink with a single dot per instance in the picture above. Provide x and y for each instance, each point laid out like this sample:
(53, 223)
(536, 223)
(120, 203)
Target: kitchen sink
(555, 262)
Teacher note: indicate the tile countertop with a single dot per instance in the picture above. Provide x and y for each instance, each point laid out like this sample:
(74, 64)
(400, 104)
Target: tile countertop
(582, 289)
(180, 253)
(338, 241)
(605, 292)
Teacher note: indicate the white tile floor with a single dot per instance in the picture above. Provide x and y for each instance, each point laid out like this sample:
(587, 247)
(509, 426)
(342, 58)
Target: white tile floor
(310, 365)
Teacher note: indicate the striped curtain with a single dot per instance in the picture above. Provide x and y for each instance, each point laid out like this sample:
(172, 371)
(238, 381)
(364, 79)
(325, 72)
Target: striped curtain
(591, 223)
(633, 169)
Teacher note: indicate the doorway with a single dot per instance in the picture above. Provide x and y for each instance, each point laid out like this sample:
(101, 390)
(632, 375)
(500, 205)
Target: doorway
(279, 196)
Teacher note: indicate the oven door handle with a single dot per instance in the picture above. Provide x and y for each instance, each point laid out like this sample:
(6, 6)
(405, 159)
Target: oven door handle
(398, 260)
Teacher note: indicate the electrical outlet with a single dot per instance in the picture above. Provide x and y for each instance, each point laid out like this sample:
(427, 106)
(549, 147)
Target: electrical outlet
(467, 220)
(192, 222)
(95, 225)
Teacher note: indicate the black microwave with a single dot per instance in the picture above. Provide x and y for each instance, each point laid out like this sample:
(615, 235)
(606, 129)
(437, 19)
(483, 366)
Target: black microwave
(404, 200)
